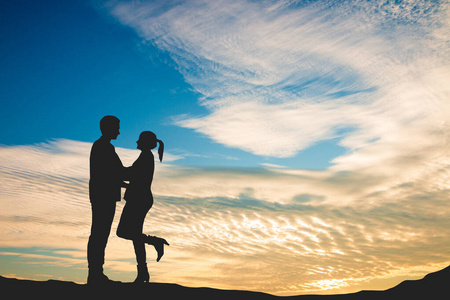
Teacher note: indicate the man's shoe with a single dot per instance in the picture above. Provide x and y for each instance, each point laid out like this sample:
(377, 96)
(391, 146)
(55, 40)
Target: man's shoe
(98, 279)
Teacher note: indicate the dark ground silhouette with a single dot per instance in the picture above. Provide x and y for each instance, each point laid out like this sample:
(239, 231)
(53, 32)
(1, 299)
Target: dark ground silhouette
(432, 286)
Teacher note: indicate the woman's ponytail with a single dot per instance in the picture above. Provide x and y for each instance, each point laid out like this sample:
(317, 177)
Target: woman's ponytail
(160, 150)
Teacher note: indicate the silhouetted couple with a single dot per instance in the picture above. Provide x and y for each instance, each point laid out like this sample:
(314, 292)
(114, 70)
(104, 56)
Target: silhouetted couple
(107, 176)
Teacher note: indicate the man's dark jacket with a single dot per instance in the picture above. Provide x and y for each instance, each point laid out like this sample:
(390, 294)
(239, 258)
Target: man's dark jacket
(106, 171)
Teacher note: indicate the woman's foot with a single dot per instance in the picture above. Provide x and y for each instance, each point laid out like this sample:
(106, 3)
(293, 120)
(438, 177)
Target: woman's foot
(158, 243)
(143, 275)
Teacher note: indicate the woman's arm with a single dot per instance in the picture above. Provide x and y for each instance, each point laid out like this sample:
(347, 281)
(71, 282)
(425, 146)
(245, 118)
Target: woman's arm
(127, 173)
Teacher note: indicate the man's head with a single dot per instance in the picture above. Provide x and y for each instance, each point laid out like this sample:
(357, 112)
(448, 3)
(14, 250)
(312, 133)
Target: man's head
(109, 126)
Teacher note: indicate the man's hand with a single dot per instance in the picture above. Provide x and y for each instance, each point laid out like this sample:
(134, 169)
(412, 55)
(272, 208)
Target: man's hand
(124, 184)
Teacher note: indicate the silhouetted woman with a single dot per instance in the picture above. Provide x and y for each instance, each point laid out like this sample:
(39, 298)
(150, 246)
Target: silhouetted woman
(139, 200)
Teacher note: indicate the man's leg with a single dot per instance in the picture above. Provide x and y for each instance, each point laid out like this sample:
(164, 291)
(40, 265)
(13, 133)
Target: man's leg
(102, 218)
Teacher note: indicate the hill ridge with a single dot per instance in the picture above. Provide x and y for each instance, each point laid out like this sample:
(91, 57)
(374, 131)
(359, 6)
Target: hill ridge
(433, 284)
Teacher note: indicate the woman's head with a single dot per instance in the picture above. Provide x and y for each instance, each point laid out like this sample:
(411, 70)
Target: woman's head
(147, 141)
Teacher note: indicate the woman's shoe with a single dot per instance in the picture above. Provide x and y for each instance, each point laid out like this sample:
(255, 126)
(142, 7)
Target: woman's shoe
(143, 275)
(158, 243)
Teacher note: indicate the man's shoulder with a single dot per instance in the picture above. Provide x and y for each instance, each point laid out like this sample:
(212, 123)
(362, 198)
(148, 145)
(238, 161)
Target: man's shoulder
(102, 147)
(102, 143)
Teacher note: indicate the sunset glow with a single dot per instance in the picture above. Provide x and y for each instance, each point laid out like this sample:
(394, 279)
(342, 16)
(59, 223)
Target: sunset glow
(306, 141)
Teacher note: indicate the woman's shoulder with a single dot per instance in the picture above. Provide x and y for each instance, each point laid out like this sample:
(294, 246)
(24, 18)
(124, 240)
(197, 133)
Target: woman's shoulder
(146, 157)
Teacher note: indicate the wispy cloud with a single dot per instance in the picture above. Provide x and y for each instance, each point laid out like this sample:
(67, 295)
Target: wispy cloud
(276, 78)
(279, 77)
(282, 231)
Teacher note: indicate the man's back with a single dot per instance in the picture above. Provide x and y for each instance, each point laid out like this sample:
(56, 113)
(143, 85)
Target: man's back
(106, 172)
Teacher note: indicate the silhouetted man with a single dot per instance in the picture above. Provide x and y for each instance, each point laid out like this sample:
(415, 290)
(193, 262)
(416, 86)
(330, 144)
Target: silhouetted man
(106, 179)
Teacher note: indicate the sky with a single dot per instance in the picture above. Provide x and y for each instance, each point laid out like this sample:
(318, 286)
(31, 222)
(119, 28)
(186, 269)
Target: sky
(306, 141)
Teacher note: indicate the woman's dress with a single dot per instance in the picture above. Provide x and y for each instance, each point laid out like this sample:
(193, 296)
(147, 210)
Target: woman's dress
(138, 196)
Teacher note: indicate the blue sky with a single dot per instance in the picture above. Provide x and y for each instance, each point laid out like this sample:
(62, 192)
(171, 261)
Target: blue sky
(305, 140)
(71, 63)
(64, 63)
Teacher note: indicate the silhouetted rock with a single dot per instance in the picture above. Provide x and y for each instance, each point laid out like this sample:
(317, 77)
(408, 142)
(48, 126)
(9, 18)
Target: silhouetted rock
(432, 286)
